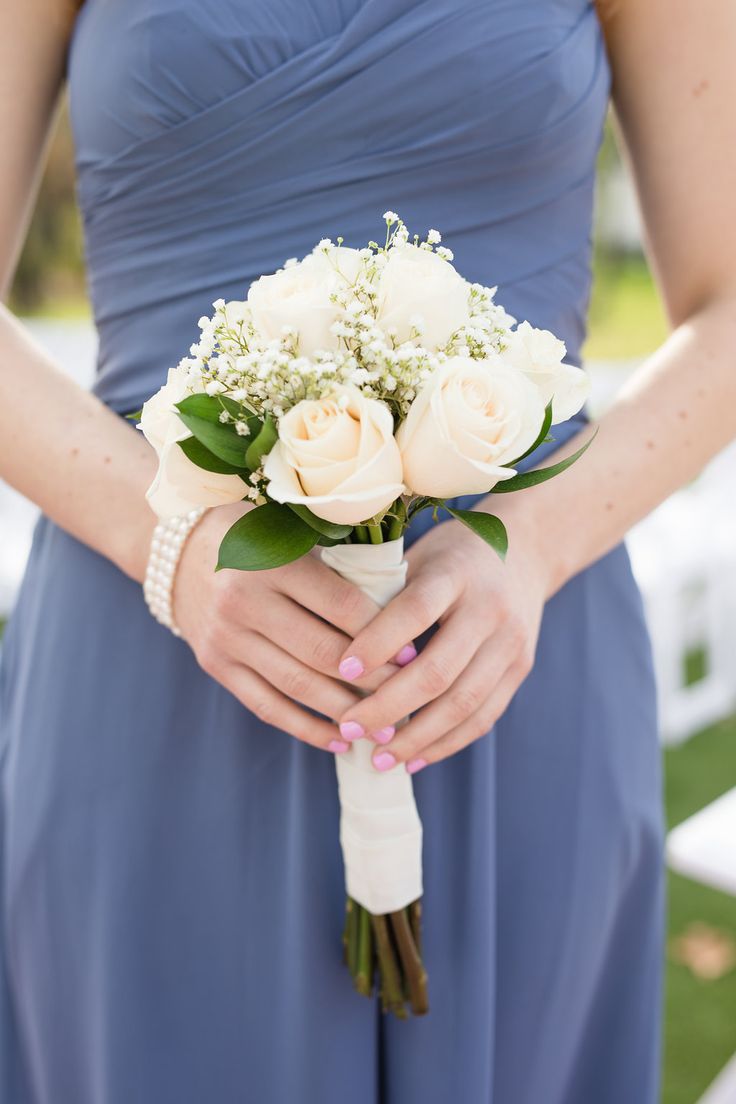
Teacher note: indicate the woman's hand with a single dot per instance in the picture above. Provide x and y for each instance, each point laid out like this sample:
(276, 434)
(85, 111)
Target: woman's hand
(274, 638)
(489, 614)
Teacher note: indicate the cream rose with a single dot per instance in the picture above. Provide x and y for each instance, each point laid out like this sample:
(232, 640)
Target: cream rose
(416, 283)
(469, 419)
(338, 456)
(179, 484)
(299, 296)
(540, 356)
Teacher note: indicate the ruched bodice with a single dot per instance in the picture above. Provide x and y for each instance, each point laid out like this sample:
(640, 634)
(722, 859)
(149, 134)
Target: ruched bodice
(221, 136)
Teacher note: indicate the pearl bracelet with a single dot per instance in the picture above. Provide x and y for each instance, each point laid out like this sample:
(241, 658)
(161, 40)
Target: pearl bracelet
(167, 545)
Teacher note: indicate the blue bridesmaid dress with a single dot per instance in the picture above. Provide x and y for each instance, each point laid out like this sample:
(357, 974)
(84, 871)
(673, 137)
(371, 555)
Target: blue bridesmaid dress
(172, 884)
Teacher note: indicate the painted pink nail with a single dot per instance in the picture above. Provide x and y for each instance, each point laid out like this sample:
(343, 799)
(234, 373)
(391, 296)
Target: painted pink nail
(406, 655)
(351, 730)
(415, 765)
(384, 761)
(384, 734)
(337, 746)
(351, 668)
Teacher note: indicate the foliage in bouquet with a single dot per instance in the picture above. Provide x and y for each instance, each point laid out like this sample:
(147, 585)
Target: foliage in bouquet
(351, 390)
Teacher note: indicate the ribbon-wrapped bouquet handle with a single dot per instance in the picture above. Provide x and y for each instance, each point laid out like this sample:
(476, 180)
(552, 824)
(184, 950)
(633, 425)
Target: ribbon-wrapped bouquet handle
(380, 829)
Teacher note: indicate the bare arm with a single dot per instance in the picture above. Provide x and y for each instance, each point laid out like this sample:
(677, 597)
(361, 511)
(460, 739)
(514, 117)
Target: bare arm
(675, 97)
(62, 448)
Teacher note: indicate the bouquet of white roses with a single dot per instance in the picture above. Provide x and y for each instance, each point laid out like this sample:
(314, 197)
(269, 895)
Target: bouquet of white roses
(347, 393)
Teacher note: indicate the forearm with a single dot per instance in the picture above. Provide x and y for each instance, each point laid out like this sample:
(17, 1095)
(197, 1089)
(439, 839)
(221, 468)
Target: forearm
(84, 466)
(673, 416)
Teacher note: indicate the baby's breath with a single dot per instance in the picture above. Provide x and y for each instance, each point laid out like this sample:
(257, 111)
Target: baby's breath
(232, 360)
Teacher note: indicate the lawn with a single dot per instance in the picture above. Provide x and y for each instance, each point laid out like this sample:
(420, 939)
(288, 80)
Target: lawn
(626, 318)
(700, 1014)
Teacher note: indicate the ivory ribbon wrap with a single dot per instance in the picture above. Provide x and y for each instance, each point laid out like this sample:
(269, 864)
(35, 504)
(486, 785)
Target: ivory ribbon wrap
(380, 829)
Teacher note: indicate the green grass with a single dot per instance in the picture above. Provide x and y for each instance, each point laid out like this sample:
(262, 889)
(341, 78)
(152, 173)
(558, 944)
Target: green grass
(700, 1015)
(627, 319)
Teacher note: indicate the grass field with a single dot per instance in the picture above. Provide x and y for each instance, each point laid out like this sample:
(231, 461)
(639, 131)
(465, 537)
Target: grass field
(700, 1015)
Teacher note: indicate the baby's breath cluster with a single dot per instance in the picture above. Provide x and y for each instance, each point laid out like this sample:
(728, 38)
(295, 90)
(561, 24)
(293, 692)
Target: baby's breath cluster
(263, 356)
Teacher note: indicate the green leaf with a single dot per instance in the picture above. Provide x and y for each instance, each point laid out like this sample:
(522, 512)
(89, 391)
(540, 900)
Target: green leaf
(541, 436)
(217, 437)
(540, 475)
(269, 536)
(487, 526)
(329, 529)
(208, 407)
(262, 443)
(135, 415)
(203, 458)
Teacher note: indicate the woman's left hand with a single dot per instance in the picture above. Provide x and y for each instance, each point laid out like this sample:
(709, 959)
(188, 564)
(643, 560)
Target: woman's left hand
(489, 614)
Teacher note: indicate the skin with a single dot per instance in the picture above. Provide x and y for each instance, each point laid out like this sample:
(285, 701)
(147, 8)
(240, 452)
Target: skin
(276, 639)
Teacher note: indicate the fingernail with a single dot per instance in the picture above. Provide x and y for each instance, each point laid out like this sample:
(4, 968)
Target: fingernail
(415, 765)
(406, 655)
(351, 730)
(384, 734)
(384, 761)
(337, 746)
(351, 668)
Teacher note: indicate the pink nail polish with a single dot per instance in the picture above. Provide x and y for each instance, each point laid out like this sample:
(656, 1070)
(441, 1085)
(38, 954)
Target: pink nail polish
(415, 765)
(337, 746)
(351, 730)
(384, 734)
(406, 655)
(384, 761)
(351, 668)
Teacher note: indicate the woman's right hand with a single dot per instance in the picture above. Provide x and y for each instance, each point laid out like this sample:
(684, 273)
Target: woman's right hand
(274, 638)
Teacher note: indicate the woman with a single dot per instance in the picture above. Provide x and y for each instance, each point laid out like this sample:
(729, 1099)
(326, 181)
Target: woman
(172, 883)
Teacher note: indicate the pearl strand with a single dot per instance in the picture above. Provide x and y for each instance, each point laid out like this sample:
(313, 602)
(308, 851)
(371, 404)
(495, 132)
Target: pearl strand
(167, 545)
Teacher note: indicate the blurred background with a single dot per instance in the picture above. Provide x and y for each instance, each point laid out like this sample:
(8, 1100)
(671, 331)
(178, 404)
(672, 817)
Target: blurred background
(684, 556)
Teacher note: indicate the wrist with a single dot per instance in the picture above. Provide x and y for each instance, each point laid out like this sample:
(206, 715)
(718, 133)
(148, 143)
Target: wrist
(529, 538)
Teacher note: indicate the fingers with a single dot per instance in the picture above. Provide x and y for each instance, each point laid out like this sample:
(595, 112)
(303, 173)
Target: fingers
(473, 728)
(276, 710)
(295, 679)
(433, 673)
(422, 602)
(318, 588)
(312, 641)
(466, 697)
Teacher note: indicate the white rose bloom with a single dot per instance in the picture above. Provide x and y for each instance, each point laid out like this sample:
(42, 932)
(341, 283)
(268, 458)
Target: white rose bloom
(470, 418)
(179, 485)
(299, 297)
(540, 356)
(417, 282)
(338, 456)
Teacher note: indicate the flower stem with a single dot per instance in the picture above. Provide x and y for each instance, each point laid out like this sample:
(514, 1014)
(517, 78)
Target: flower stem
(361, 534)
(392, 997)
(395, 528)
(351, 930)
(415, 916)
(415, 976)
(375, 533)
(364, 974)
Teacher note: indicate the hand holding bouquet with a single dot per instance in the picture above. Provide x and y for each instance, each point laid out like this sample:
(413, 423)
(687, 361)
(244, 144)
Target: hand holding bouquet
(347, 393)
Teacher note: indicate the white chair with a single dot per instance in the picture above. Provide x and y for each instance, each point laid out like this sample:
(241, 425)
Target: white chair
(684, 557)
